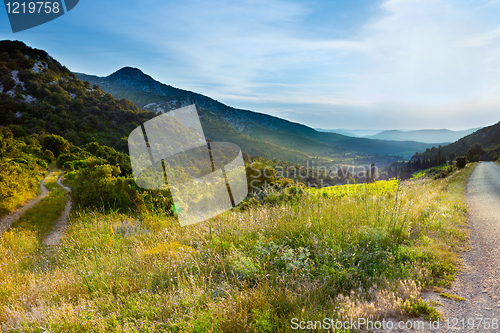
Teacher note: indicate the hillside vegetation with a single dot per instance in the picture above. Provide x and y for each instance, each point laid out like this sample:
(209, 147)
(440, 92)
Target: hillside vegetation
(40, 95)
(488, 137)
(22, 163)
(357, 255)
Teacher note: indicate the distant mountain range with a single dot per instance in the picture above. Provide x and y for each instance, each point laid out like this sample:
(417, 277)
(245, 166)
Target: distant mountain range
(430, 136)
(357, 133)
(443, 136)
(219, 119)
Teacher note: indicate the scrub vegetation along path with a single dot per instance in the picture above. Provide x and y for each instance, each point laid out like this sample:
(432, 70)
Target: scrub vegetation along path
(6, 221)
(479, 283)
(47, 215)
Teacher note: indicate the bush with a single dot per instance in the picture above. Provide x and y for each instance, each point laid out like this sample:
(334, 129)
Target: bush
(248, 203)
(259, 175)
(18, 182)
(21, 163)
(99, 187)
(461, 162)
(7, 82)
(56, 144)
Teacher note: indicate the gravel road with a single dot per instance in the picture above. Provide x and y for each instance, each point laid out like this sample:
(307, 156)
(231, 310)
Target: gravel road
(479, 283)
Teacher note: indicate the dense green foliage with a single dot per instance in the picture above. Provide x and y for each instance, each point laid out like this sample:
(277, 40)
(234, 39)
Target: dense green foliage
(461, 162)
(475, 152)
(100, 178)
(60, 118)
(22, 164)
(51, 99)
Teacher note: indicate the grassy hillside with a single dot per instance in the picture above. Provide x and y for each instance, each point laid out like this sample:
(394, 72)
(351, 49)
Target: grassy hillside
(221, 132)
(297, 142)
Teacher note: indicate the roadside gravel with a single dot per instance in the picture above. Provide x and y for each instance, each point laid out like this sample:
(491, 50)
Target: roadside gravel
(479, 282)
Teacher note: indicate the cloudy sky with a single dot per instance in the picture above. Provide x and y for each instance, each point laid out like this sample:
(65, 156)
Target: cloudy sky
(357, 64)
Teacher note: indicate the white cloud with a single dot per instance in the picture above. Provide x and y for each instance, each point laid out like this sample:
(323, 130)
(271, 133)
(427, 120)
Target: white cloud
(412, 54)
(480, 39)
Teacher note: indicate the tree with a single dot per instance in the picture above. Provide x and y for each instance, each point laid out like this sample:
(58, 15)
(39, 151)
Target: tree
(418, 165)
(461, 162)
(475, 150)
(390, 173)
(246, 158)
(373, 170)
(451, 156)
(56, 144)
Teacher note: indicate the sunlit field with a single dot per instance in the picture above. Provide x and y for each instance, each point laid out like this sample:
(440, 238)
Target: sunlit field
(362, 250)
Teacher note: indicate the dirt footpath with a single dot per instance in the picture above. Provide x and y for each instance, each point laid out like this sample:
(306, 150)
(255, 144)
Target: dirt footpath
(13, 216)
(55, 236)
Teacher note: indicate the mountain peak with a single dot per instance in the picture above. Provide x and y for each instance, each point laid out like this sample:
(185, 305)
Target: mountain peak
(133, 78)
(128, 71)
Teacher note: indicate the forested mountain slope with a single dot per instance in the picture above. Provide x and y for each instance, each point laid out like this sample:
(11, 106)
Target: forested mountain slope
(38, 94)
(133, 84)
(487, 137)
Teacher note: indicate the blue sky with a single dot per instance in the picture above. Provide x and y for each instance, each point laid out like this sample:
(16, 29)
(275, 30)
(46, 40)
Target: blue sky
(396, 64)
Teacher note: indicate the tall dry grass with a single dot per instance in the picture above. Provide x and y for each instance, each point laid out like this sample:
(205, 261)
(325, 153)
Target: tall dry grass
(360, 255)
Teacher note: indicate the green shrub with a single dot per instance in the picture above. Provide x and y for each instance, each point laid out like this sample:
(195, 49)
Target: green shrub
(21, 164)
(259, 175)
(422, 308)
(98, 186)
(248, 203)
(56, 144)
(18, 181)
(461, 162)
(7, 82)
